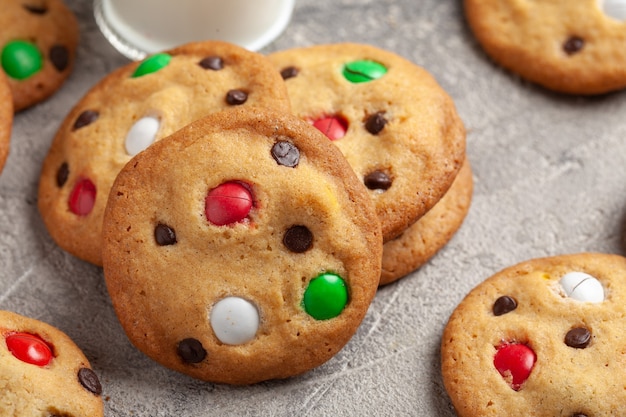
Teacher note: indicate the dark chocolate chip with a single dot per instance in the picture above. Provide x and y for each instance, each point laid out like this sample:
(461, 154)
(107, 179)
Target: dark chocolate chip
(236, 97)
(298, 239)
(86, 118)
(60, 57)
(89, 380)
(164, 235)
(289, 72)
(62, 174)
(36, 9)
(503, 305)
(214, 63)
(578, 338)
(375, 123)
(573, 45)
(285, 153)
(579, 415)
(191, 351)
(377, 180)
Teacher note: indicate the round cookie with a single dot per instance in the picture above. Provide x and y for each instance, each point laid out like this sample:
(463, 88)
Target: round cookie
(38, 40)
(568, 46)
(43, 373)
(395, 125)
(131, 108)
(240, 249)
(6, 119)
(545, 337)
(424, 238)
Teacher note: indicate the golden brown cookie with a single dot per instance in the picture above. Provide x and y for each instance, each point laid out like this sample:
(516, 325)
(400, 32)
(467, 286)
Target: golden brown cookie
(242, 248)
(545, 337)
(568, 46)
(422, 240)
(38, 40)
(6, 119)
(127, 111)
(43, 372)
(395, 125)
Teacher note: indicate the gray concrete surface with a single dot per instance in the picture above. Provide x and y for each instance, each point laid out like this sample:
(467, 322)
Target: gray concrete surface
(550, 179)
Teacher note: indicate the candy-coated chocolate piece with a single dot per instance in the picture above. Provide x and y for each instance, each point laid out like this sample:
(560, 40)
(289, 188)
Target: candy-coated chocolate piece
(334, 127)
(234, 320)
(363, 71)
(228, 203)
(83, 197)
(515, 362)
(21, 59)
(141, 135)
(582, 287)
(152, 64)
(29, 348)
(614, 8)
(325, 297)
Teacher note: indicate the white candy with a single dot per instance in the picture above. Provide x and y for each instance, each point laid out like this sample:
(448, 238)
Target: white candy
(141, 135)
(234, 320)
(582, 287)
(614, 8)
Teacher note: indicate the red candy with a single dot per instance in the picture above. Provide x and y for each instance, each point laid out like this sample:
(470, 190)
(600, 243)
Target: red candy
(334, 127)
(29, 348)
(228, 203)
(83, 197)
(515, 361)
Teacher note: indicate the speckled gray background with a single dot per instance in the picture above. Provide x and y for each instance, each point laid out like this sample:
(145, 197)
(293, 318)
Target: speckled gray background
(550, 178)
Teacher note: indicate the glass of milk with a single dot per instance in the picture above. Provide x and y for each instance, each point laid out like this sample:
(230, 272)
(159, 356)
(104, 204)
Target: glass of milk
(141, 27)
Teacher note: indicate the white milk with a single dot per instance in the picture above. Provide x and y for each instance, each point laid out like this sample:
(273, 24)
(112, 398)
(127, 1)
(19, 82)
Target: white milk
(140, 27)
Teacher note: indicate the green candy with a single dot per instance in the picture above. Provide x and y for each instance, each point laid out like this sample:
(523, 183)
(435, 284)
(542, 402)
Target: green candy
(363, 71)
(325, 297)
(152, 64)
(21, 59)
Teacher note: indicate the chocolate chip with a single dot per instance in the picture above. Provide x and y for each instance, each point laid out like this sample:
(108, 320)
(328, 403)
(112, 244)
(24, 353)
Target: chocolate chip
(289, 72)
(89, 380)
(86, 118)
(573, 45)
(503, 305)
(578, 338)
(377, 180)
(285, 153)
(191, 351)
(36, 9)
(60, 57)
(375, 123)
(579, 415)
(236, 97)
(214, 63)
(164, 235)
(62, 174)
(298, 239)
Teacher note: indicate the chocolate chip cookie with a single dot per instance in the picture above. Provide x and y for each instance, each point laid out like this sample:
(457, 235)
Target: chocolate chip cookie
(568, 46)
(127, 111)
(396, 126)
(43, 372)
(545, 337)
(242, 248)
(38, 40)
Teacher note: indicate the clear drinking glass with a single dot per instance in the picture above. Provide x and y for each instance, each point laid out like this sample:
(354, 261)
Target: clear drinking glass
(141, 27)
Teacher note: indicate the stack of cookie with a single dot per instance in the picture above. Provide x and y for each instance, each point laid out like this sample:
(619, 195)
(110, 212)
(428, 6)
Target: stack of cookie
(401, 134)
(239, 211)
